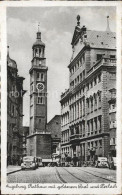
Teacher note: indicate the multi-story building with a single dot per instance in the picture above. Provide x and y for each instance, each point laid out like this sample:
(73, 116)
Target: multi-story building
(39, 139)
(14, 111)
(84, 106)
(54, 126)
(112, 121)
(24, 133)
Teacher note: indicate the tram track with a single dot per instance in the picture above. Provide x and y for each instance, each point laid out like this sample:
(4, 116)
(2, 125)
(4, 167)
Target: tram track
(97, 175)
(59, 176)
(83, 181)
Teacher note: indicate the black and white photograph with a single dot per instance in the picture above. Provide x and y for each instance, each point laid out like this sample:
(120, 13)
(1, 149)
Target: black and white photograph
(62, 119)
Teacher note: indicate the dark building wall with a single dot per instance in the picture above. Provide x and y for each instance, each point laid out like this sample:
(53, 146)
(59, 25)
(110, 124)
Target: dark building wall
(43, 146)
(14, 112)
(54, 126)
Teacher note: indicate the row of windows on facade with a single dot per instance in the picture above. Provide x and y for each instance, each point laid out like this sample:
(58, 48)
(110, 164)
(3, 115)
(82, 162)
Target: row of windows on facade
(82, 91)
(77, 80)
(78, 64)
(81, 61)
(93, 125)
(74, 98)
(91, 144)
(77, 110)
(89, 85)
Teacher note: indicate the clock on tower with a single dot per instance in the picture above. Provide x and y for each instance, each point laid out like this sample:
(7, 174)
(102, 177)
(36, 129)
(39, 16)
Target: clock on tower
(39, 138)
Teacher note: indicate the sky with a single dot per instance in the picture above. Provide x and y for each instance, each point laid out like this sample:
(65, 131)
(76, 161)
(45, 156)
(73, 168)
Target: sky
(57, 26)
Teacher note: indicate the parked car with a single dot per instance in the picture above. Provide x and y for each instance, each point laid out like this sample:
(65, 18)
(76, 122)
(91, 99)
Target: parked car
(29, 162)
(112, 162)
(101, 162)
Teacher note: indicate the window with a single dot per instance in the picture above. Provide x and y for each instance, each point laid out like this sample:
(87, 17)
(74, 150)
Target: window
(99, 78)
(13, 110)
(95, 81)
(96, 144)
(80, 77)
(91, 84)
(42, 77)
(100, 143)
(87, 86)
(99, 56)
(83, 58)
(32, 88)
(114, 141)
(40, 121)
(112, 56)
(40, 100)
(84, 74)
(38, 75)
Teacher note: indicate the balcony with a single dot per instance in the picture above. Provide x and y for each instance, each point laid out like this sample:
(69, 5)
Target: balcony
(75, 137)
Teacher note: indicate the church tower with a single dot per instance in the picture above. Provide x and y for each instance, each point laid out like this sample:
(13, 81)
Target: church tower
(39, 139)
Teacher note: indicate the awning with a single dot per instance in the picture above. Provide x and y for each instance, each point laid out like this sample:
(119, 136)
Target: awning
(46, 160)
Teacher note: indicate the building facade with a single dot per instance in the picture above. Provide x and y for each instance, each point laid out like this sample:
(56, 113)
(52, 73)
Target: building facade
(85, 115)
(39, 139)
(112, 121)
(15, 94)
(54, 126)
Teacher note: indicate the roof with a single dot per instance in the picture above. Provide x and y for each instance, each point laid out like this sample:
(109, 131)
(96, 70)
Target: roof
(11, 63)
(101, 39)
(55, 117)
(38, 43)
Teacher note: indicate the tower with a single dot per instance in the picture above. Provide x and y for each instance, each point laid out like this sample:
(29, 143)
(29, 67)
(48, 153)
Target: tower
(39, 139)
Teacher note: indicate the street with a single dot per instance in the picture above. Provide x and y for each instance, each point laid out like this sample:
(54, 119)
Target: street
(64, 175)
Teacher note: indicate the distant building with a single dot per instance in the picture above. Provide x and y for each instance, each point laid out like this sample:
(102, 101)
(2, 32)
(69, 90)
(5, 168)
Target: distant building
(54, 126)
(85, 113)
(39, 139)
(14, 111)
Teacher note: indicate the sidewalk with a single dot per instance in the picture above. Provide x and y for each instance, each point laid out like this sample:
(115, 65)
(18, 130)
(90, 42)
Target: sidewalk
(13, 169)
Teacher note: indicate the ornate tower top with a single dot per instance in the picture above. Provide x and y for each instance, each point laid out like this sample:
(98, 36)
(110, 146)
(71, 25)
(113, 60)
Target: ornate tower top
(39, 33)
(78, 20)
(38, 42)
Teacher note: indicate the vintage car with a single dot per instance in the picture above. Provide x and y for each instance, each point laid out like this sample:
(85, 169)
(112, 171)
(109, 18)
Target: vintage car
(29, 162)
(101, 162)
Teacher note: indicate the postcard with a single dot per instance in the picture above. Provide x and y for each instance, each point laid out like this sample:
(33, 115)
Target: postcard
(60, 97)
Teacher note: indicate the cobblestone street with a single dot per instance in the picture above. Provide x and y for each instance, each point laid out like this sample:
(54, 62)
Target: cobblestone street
(64, 175)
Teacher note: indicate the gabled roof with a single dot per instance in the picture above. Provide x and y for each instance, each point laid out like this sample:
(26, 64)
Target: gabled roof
(101, 39)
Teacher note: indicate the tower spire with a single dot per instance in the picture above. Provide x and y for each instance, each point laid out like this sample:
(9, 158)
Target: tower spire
(39, 33)
(108, 28)
(39, 27)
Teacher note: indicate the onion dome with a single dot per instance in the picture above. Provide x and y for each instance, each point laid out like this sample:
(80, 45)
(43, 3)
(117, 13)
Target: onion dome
(38, 41)
(11, 63)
